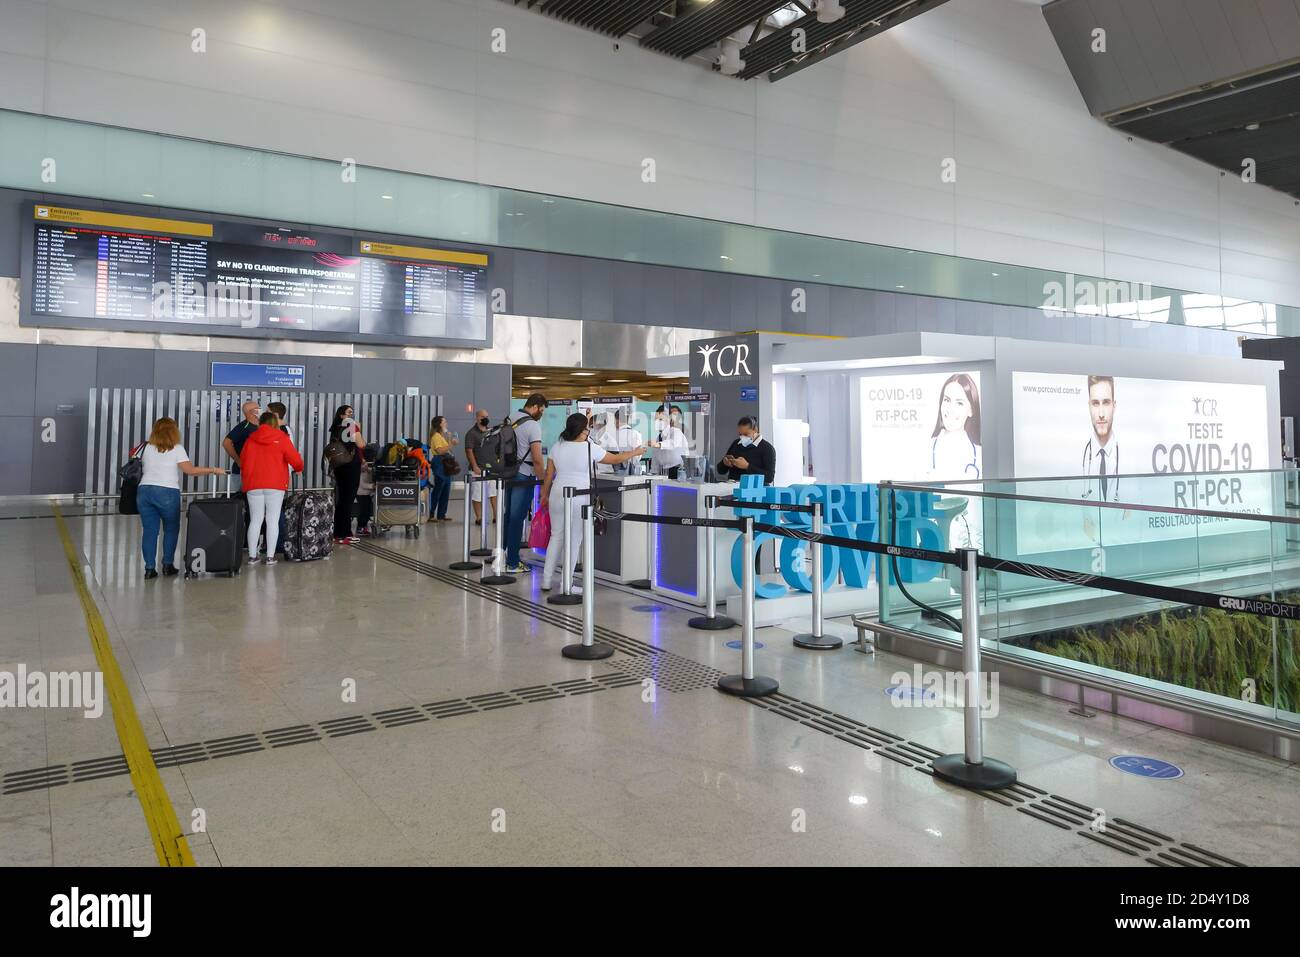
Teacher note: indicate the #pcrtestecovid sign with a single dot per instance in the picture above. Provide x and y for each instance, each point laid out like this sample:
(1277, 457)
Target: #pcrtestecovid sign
(1154, 442)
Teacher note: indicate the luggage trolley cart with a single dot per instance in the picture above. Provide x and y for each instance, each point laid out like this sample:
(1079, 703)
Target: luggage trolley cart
(398, 501)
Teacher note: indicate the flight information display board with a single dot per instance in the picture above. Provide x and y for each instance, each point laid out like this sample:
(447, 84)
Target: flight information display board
(106, 270)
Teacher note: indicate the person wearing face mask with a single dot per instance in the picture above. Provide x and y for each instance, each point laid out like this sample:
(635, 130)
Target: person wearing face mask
(473, 442)
(620, 438)
(669, 440)
(750, 454)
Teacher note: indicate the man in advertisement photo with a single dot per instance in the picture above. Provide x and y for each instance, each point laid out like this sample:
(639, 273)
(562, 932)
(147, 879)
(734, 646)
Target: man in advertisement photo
(1100, 461)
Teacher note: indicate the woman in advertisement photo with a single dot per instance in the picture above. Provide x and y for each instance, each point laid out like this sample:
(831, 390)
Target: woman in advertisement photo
(955, 455)
(955, 443)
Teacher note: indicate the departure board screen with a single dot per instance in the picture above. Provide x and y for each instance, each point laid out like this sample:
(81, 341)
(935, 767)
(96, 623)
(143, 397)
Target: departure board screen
(107, 270)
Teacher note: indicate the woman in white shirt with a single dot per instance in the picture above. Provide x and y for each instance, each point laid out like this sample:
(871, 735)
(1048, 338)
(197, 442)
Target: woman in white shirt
(159, 495)
(569, 464)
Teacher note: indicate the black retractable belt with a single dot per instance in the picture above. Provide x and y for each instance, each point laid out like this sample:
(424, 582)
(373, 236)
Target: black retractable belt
(1264, 608)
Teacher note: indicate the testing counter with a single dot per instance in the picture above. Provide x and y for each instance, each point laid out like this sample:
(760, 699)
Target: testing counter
(678, 551)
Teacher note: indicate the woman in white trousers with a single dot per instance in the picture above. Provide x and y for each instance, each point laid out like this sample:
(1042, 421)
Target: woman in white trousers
(569, 464)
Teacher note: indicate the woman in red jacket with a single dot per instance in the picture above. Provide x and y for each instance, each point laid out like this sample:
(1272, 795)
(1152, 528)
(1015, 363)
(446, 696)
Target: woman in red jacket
(264, 464)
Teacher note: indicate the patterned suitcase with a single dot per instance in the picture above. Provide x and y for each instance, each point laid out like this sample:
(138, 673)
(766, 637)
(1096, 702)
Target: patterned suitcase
(309, 526)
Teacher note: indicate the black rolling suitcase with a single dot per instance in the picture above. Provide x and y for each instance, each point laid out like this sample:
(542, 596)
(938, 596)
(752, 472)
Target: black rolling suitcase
(215, 529)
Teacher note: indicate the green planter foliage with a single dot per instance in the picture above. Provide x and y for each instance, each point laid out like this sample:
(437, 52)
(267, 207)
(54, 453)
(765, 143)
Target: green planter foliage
(1201, 648)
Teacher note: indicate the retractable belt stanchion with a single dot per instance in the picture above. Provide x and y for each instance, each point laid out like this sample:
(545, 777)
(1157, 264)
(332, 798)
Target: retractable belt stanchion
(590, 649)
(711, 620)
(972, 769)
(566, 596)
(465, 564)
(498, 576)
(747, 684)
(815, 639)
(644, 584)
(485, 519)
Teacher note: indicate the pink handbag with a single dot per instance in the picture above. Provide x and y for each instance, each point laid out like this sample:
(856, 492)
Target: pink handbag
(539, 535)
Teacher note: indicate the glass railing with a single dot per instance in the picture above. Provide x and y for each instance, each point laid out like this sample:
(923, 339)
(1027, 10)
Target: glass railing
(1248, 547)
(154, 169)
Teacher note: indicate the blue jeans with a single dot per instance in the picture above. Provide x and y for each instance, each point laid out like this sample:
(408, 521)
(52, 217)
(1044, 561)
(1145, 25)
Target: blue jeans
(441, 492)
(518, 499)
(159, 506)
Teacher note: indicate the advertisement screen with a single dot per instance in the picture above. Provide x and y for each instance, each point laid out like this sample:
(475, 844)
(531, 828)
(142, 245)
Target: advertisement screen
(107, 270)
(927, 427)
(924, 427)
(1155, 442)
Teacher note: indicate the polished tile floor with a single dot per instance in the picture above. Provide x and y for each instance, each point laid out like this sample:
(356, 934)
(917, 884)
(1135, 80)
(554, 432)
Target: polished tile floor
(595, 769)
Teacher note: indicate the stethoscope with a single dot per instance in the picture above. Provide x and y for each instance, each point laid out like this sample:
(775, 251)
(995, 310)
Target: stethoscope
(1112, 477)
(972, 469)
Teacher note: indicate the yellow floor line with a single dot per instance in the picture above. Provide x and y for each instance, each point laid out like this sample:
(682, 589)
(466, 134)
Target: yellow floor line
(168, 838)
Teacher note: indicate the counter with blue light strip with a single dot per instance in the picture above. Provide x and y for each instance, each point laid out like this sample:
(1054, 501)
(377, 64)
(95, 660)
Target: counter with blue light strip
(679, 550)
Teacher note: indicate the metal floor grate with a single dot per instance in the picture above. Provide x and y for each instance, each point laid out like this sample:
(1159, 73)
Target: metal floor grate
(1118, 834)
(16, 782)
(671, 671)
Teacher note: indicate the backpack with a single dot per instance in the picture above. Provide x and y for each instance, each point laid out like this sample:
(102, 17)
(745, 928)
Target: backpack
(394, 453)
(498, 455)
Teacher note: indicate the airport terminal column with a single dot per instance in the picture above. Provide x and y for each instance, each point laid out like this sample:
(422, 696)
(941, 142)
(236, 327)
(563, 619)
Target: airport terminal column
(465, 564)
(590, 649)
(747, 684)
(972, 769)
(711, 620)
(498, 576)
(815, 639)
(566, 595)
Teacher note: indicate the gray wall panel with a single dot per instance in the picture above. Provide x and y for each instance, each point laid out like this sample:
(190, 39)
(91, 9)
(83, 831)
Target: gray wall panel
(629, 297)
(374, 375)
(715, 302)
(455, 383)
(124, 368)
(688, 300)
(491, 389)
(744, 304)
(328, 374)
(415, 372)
(563, 287)
(64, 376)
(18, 379)
(16, 463)
(527, 294)
(175, 369)
(660, 299)
(597, 282)
(59, 467)
(770, 306)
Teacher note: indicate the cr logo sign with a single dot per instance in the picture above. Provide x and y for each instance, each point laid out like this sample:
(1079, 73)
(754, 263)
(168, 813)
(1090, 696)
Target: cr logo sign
(733, 360)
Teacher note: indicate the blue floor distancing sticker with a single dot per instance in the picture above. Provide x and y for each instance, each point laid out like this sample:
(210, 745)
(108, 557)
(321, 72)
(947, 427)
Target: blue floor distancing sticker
(648, 608)
(1146, 767)
(737, 644)
(909, 693)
